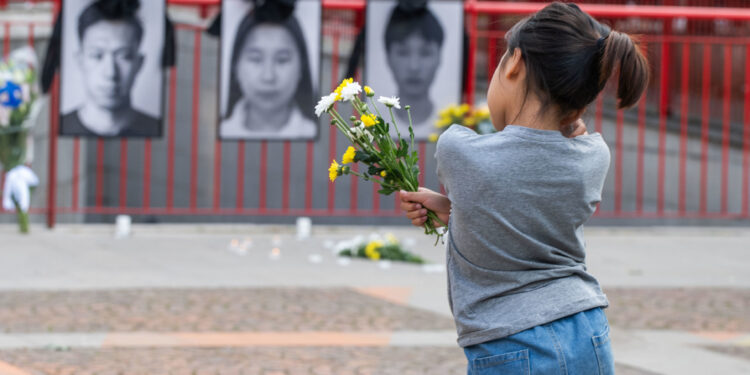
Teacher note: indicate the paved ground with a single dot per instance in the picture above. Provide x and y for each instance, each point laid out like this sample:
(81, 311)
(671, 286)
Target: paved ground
(216, 300)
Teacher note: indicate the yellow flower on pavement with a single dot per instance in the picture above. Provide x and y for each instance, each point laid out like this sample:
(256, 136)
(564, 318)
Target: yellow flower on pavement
(383, 174)
(371, 250)
(349, 155)
(368, 91)
(333, 170)
(433, 137)
(369, 120)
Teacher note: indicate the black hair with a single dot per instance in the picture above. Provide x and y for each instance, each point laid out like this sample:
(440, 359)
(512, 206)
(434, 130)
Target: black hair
(403, 22)
(111, 10)
(304, 92)
(570, 56)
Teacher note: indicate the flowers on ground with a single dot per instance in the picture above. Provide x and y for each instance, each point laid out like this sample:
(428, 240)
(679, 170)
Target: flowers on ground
(474, 118)
(378, 249)
(391, 163)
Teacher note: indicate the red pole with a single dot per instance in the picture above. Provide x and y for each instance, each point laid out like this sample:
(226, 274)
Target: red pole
(746, 140)
(52, 158)
(147, 174)
(240, 175)
(196, 120)
(262, 180)
(663, 108)
(76, 169)
(618, 161)
(684, 99)
(331, 131)
(286, 173)
(641, 143)
(123, 172)
(725, 135)
(309, 175)
(471, 9)
(217, 175)
(99, 172)
(706, 115)
(171, 136)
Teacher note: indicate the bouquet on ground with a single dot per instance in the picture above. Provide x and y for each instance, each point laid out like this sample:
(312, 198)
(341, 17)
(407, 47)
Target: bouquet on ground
(390, 162)
(475, 118)
(379, 249)
(19, 109)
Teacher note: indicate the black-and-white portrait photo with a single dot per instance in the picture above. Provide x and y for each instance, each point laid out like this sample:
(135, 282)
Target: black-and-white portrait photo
(269, 69)
(111, 75)
(414, 52)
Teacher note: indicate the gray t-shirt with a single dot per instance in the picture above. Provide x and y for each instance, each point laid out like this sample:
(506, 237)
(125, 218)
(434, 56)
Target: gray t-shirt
(515, 252)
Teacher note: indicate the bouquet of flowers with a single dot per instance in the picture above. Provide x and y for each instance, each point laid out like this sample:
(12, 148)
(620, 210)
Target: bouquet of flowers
(477, 118)
(19, 108)
(379, 249)
(391, 163)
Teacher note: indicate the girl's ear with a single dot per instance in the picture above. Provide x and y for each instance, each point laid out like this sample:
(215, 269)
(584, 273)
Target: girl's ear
(514, 65)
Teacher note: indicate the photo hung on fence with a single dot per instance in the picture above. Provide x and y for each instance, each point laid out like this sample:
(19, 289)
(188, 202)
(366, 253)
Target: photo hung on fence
(270, 53)
(413, 48)
(112, 80)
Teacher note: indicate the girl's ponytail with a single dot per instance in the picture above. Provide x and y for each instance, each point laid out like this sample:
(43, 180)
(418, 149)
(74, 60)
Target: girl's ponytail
(621, 54)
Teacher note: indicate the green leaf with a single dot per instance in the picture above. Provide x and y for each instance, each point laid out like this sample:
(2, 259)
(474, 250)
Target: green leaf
(386, 191)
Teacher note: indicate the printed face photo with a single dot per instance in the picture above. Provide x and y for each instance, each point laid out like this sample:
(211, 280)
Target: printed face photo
(111, 70)
(269, 73)
(416, 56)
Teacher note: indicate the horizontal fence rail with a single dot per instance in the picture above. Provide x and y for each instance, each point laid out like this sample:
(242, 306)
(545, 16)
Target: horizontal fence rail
(681, 153)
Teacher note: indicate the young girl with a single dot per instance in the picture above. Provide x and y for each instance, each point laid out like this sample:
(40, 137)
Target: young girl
(517, 200)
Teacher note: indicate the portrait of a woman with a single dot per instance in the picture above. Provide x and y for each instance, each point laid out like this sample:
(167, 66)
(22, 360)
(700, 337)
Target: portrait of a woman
(270, 91)
(416, 45)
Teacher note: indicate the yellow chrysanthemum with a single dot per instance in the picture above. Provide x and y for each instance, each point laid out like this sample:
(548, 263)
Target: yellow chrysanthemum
(470, 121)
(383, 174)
(348, 155)
(333, 170)
(369, 120)
(371, 250)
(368, 91)
(433, 137)
(341, 87)
(463, 109)
(443, 122)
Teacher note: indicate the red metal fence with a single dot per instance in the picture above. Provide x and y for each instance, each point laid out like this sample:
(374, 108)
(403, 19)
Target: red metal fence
(683, 152)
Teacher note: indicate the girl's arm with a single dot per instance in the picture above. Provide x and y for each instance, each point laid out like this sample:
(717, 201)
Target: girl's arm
(414, 204)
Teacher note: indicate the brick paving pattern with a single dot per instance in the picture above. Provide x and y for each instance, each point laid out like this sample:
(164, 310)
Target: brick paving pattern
(200, 310)
(694, 309)
(249, 361)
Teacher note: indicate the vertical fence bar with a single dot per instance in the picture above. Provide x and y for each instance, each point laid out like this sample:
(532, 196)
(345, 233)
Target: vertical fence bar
(6, 40)
(640, 147)
(286, 176)
(171, 137)
(76, 168)
(746, 139)
(263, 178)
(618, 160)
(491, 46)
(663, 108)
(685, 111)
(331, 131)
(239, 203)
(309, 175)
(52, 158)
(31, 35)
(217, 175)
(196, 120)
(471, 8)
(598, 115)
(99, 199)
(706, 115)
(422, 156)
(147, 174)
(726, 118)
(123, 172)
(353, 194)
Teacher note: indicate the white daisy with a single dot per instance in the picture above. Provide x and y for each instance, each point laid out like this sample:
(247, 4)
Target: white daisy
(350, 91)
(325, 104)
(390, 101)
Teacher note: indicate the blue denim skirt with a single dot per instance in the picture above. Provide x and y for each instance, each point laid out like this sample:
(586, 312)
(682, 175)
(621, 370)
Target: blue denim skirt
(577, 344)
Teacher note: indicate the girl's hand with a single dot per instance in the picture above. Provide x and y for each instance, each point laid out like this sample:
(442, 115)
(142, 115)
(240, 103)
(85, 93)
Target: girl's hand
(575, 129)
(415, 205)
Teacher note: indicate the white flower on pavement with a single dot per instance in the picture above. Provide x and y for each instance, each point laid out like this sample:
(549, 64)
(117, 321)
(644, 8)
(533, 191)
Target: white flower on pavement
(325, 104)
(390, 101)
(350, 91)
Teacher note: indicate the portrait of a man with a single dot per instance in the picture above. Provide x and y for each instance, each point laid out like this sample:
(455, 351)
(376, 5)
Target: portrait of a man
(413, 51)
(107, 87)
(269, 70)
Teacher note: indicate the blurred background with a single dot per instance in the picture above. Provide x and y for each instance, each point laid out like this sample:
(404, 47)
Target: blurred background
(218, 275)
